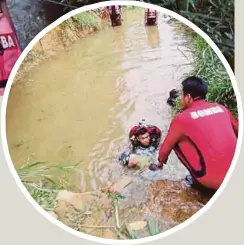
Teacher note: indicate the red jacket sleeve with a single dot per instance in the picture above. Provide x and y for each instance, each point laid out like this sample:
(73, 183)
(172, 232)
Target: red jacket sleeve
(234, 123)
(174, 135)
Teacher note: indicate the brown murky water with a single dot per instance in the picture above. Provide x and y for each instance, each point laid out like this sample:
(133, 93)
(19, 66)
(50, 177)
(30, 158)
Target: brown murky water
(81, 105)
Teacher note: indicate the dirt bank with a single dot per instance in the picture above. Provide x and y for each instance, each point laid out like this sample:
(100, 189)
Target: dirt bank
(169, 202)
(60, 38)
(175, 201)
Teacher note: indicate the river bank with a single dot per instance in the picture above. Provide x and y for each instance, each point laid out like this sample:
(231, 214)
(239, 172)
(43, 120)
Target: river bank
(61, 38)
(53, 116)
(112, 215)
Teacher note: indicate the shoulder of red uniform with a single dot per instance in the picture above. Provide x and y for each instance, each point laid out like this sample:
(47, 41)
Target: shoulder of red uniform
(180, 115)
(209, 104)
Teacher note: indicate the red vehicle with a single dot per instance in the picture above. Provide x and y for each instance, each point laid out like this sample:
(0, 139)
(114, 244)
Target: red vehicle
(9, 46)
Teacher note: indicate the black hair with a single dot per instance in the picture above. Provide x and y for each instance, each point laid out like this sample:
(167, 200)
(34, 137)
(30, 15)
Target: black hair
(173, 94)
(141, 131)
(195, 86)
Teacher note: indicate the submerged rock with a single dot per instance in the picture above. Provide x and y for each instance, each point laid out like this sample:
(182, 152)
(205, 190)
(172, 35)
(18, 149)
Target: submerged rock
(79, 201)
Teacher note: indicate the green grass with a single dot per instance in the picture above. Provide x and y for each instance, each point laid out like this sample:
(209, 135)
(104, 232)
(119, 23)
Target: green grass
(83, 20)
(87, 20)
(43, 181)
(208, 66)
(214, 17)
(153, 227)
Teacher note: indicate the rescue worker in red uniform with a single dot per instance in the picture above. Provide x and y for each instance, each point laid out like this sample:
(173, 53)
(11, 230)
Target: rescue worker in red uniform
(151, 17)
(115, 13)
(203, 136)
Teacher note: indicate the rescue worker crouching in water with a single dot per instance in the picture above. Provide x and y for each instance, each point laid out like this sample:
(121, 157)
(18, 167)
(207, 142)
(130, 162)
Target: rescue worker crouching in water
(144, 143)
(115, 13)
(151, 17)
(203, 136)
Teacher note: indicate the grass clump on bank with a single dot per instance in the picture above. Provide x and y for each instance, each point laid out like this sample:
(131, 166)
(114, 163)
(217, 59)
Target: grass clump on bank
(208, 66)
(41, 182)
(87, 20)
(84, 20)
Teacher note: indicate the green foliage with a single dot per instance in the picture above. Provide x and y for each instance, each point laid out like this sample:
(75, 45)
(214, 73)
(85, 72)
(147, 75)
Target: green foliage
(208, 66)
(153, 227)
(42, 183)
(85, 19)
(214, 17)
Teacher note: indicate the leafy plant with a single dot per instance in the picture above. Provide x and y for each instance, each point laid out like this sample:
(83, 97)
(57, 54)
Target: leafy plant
(41, 183)
(86, 19)
(153, 227)
(215, 17)
(208, 66)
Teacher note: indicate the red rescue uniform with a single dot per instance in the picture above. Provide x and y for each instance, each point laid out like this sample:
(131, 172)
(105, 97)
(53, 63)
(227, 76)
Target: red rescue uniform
(204, 138)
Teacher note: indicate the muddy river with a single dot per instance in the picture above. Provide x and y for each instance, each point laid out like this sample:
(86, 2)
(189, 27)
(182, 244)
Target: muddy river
(80, 105)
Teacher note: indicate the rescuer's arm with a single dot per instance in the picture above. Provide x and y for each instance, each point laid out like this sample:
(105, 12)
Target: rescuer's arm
(174, 135)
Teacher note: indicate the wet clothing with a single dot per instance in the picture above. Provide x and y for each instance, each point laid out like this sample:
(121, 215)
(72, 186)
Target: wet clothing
(204, 138)
(148, 152)
(144, 156)
(151, 16)
(115, 14)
